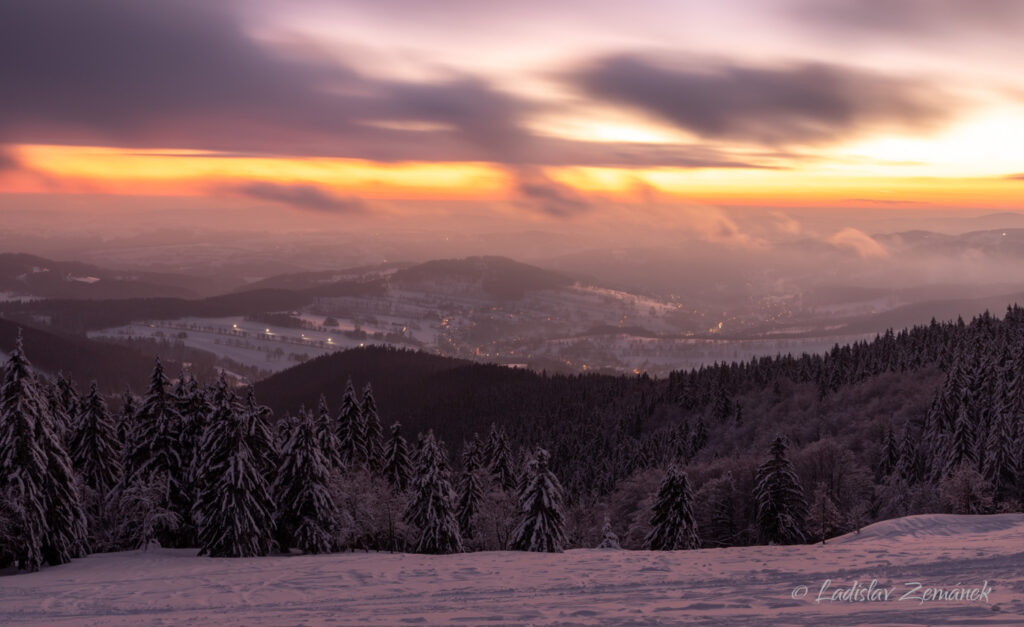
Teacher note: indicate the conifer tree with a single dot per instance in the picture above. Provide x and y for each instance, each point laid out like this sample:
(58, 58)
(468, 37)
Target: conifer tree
(781, 506)
(397, 465)
(126, 423)
(351, 429)
(154, 447)
(432, 506)
(234, 509)
(499, 459)
(673, 525)
(609, 539)
(960, 442)
(326, 433)
(95, 451)
(1002, 462)
(890, 453)
(372, 428)
(37, 484)
(542, 525)
(471, 494)
(306, 509)
(64, 405)
(258, 419)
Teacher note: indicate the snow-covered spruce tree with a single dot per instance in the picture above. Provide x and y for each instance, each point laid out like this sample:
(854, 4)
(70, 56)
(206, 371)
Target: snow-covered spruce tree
(499, 459)
(471, 495)
(126, 424)
(153, 456)
(306, 513)
(194, 409)
(372, 429)
(673, 525)
(44, 509)
(473, 452)
(95, 451)
(541, 525)
(261, 434)
(64, 401)
(890, 452)
(326, 433)
(781, 505)
(609, 539)
(431, 509)
(1002, 462)
(234, 510)
(397, 465)
(351, 428)
(959, 443)
(96, 458)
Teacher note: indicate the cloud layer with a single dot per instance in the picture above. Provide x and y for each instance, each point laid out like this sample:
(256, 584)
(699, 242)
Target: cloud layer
(795, 104)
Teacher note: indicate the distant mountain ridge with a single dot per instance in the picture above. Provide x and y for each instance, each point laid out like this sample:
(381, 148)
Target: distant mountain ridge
(27, 275)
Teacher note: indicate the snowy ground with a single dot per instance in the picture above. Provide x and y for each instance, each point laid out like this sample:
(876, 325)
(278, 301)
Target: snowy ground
(581, 587)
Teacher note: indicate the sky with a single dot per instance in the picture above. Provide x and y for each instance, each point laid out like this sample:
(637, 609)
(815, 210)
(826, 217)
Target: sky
(575, 112)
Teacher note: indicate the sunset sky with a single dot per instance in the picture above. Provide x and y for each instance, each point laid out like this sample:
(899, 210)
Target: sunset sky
(539, 110)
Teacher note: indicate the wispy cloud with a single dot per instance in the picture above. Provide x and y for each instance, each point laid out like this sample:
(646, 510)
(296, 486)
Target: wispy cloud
(777, 106)
(299, 196)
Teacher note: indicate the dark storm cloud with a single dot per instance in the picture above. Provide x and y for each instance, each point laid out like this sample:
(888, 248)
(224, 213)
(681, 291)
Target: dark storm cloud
(300, 196)
(806, 103)
(184, 75)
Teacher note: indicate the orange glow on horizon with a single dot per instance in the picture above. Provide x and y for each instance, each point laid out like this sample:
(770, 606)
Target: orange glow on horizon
(76, 169)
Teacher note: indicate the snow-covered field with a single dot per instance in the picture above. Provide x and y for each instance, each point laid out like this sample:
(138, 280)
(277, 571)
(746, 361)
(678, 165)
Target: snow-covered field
(740, 586)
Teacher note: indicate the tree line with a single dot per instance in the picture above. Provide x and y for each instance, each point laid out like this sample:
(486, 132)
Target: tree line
(782, 449)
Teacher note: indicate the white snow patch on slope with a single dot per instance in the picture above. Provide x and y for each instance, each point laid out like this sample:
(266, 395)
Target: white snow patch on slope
(736, 586)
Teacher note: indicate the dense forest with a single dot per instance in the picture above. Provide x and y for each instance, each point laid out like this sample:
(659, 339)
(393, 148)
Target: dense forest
(779, 449)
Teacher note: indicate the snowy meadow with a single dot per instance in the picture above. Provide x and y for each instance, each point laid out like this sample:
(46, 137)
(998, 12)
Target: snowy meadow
(735, 586)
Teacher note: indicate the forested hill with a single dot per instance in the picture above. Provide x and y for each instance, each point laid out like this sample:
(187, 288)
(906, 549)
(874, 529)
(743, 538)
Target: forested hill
(844, 407)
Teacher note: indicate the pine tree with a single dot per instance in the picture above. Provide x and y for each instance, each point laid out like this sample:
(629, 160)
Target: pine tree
(432, 507)
(154, 456)
(194, 410)
(327, 434)
(1002, 462)
(126, 424)
(397, 465)
(37, 484)
(372, 428)
(64, 404)
(890, 453)
(351, 429)
(471, 494)
(499, 459)
(960, 442)
(542, 524)
(261, 435)
(95, 451)
(306, 509)
(234, 509)
(781, 506)
(609, 539)
(673, 525)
